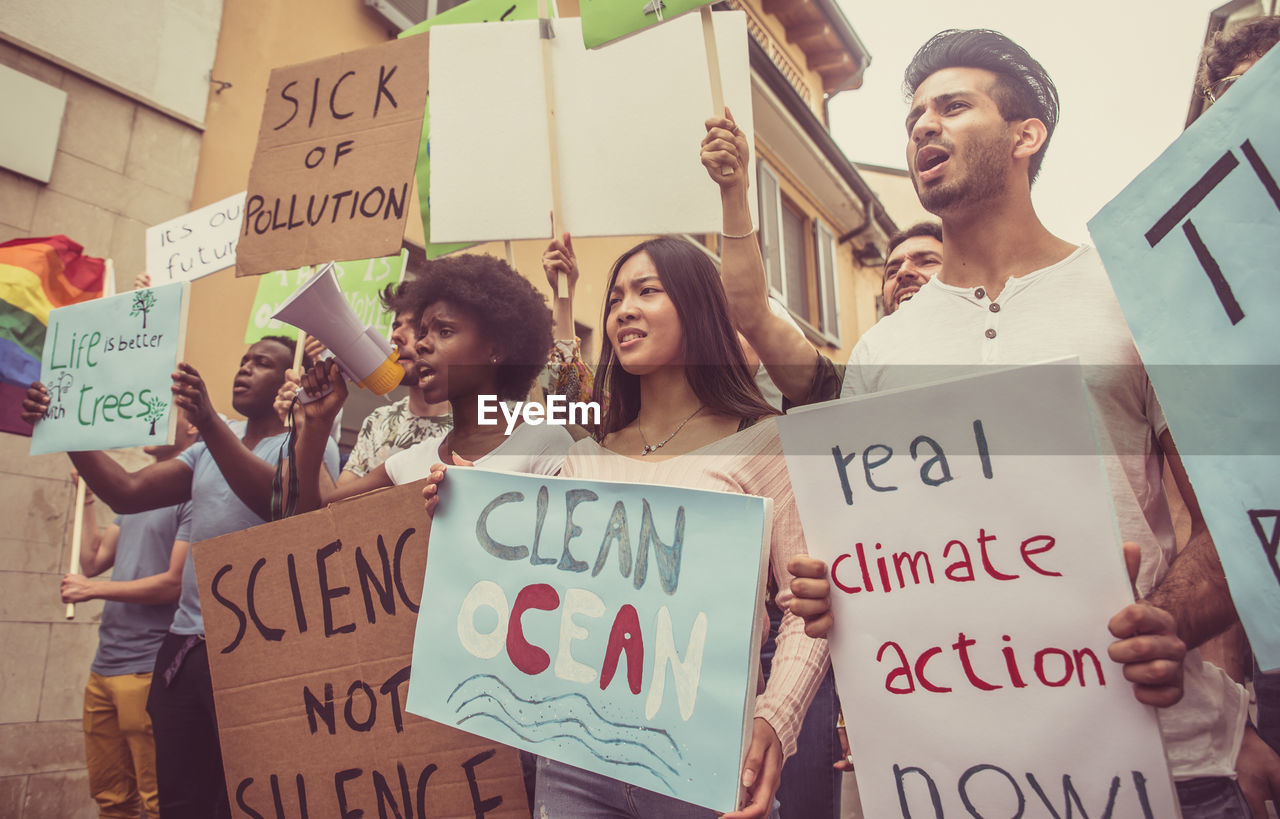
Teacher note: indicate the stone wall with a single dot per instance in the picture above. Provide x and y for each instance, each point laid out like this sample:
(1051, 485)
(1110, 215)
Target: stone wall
(120, 167)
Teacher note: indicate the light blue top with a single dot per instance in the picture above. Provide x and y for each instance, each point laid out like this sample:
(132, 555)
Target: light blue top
(131, 633)
(217, 511)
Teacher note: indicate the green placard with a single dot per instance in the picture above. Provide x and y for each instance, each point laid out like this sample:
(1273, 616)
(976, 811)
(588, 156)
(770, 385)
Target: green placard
(360, 281)
(474, 11)
(604, 21)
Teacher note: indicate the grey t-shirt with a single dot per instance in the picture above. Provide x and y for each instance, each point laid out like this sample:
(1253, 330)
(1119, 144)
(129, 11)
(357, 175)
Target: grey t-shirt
(215, 511)
(131, 633)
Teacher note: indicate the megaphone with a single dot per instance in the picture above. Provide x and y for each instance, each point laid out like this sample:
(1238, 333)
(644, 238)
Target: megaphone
(319, 309)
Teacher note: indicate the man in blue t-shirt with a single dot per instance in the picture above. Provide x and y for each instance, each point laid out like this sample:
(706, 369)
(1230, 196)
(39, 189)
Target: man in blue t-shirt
(145, 553)
(227, 478)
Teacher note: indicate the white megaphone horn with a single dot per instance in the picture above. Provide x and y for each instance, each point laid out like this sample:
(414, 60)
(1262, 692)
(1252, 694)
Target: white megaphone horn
(319, 309)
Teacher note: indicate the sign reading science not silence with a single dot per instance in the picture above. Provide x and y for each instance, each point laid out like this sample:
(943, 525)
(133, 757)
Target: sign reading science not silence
(334, 167)
(310, 625)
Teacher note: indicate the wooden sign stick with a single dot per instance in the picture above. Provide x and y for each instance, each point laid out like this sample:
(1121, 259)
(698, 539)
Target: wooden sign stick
(547, 33)
(77, 534)
(713, 70)
(77, 518)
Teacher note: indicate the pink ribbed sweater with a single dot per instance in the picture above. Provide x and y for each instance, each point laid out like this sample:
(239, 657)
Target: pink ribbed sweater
(749, 462)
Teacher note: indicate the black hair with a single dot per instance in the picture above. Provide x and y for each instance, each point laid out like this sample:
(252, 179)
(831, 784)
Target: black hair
(931, 229)
(506, 305)
(714, 364)
(399, 298)
(289, 343)
(1023, 89)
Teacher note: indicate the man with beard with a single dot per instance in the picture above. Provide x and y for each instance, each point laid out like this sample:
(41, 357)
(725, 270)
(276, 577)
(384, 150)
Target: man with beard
(915, 254)
(1010, 292)
(227, 478)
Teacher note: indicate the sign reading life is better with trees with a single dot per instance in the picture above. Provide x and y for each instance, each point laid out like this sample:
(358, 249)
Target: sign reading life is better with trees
(333, 171)
(361, 283)
(107, 365)
(607, 626)
(310, 624)
(1191, 247)
(975, 562)
(195, 244)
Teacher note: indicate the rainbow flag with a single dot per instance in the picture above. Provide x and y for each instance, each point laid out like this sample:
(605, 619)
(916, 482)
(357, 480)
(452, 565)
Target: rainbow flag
(36, 276)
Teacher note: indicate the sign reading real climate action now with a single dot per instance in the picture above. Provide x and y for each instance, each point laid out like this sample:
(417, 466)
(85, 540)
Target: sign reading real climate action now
(107, 365)
(608, 626)
(975, 562)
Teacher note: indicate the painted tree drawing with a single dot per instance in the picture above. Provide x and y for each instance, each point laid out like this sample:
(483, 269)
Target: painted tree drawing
(143, 301)
(157, 408)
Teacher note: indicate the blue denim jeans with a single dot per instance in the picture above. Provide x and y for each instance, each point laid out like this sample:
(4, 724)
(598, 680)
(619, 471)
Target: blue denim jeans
(1266, 687)
(1212, 797)
(566, 792)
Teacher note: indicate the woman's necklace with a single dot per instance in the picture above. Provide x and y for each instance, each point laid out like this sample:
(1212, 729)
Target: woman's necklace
(649, 448)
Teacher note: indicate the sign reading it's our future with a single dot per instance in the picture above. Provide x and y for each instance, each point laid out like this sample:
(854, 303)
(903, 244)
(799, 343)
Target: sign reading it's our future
(608, 626)
(975, 562)
(107, 365)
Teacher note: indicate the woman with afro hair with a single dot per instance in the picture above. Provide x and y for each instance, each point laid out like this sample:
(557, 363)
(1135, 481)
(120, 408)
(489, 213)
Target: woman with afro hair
(483, 330)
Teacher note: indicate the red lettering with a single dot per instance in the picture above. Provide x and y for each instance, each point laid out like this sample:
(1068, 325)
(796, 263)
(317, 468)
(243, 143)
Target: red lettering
(962, 648)
(835, 564)
(524, 655)
(1069, 669)
(903, 670)
(983, 540)
(1026, 553)
(624, 636)
(921, 662)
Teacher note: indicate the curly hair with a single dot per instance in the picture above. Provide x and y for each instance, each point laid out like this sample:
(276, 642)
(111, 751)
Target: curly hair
(398, 298)
(1229, 48)
(508, 308)
(1023, 89)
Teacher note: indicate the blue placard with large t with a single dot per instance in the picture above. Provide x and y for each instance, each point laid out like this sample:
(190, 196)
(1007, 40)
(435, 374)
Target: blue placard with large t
(608, 626)
(1192, 247)
(107, 366)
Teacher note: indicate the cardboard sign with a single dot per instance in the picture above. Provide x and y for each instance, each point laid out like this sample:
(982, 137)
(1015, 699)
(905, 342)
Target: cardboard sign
(604, 21)
(310, 623)
(361, 282)
(975, 562)
(1196, 236)
(628, 118)
(473, 11)
(197, 243)
(333, 171)
(608, 626)
(107, 366)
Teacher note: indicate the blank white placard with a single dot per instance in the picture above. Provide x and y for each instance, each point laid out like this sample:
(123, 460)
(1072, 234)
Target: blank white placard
(629, 120)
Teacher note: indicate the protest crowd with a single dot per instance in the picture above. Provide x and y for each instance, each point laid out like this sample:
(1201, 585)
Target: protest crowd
(697, 378)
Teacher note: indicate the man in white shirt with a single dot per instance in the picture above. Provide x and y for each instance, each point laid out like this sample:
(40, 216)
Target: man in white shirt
(1010, 292)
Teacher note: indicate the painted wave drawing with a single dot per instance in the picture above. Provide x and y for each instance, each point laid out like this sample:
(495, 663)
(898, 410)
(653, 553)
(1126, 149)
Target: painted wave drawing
(538, 720)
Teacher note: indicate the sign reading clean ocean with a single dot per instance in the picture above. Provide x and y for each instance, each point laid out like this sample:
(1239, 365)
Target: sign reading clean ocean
(107, 366)
(608, 626)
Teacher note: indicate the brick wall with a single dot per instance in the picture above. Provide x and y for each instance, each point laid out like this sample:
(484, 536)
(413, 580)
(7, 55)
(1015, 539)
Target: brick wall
(120, 167)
